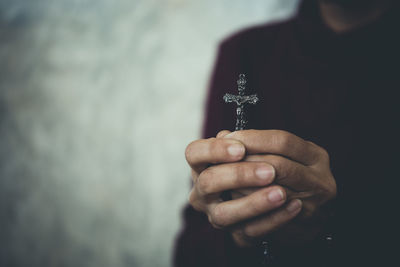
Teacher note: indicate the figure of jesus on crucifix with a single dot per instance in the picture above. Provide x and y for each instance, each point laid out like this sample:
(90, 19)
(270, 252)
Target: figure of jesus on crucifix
(240, 101)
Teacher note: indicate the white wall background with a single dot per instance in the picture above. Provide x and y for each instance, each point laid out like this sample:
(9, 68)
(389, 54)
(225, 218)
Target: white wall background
(98, 100)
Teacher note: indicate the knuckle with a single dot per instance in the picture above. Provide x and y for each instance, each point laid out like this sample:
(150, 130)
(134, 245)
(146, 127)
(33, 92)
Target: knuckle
(328, 189)
(218, 217)
(238, 134)
(211, 221)
(212, 148)
(189, 151)
(282, 140)
(239, 174)
(222, 133)
(193, 201)
(323, 154)
(241, 135)
(332, 189)
(308, 211)
(250, 232)
(204, 183)
(259, 203)
(207, 173)
(192, 198)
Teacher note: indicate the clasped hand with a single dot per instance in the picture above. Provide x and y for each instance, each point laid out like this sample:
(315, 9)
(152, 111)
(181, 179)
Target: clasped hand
(273, 176)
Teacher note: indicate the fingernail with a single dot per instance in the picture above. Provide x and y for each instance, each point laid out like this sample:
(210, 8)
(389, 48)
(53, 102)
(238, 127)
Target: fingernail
(276, 195)
(265, 172)
(294, 206)
(236, 150)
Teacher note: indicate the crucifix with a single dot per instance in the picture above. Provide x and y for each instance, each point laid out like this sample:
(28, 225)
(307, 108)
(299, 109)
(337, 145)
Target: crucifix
(241, 122)
(240, 101)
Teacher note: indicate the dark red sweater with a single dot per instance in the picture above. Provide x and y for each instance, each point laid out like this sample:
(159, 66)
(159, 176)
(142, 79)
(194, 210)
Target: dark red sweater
(338, 91)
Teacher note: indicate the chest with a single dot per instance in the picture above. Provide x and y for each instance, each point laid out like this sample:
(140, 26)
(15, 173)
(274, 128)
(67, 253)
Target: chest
(353, 113)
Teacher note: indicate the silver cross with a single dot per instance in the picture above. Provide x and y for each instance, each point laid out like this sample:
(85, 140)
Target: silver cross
(240, 101)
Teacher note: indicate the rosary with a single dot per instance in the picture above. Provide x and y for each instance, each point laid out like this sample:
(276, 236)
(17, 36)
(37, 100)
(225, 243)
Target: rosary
(240, 101)
(241, 122)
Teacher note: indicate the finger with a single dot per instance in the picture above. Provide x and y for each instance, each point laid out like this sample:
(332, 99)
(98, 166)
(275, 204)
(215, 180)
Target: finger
(197, 201)
(272, 221)
(289, 173)
(219, 178)
(277, 142)
(231, 212)
(201, 153)
(290, 194)
(241, 192)
(222, 133)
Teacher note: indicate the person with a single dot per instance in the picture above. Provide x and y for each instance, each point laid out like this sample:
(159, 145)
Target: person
(312, 182)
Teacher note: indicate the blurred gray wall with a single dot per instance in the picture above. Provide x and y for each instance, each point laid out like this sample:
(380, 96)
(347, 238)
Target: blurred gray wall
(98, 100)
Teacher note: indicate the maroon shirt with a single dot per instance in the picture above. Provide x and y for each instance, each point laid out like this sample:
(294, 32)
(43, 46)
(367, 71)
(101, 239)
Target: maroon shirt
(336, 90)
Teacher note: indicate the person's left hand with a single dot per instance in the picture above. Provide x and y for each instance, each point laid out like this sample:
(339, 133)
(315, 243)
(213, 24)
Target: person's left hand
(301, 167)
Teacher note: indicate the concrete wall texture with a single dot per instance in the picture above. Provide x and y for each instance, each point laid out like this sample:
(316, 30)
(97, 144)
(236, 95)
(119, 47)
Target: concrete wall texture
(98, 100)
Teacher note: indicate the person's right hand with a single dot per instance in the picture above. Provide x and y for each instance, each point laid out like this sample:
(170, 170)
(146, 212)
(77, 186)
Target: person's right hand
(217, 167)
